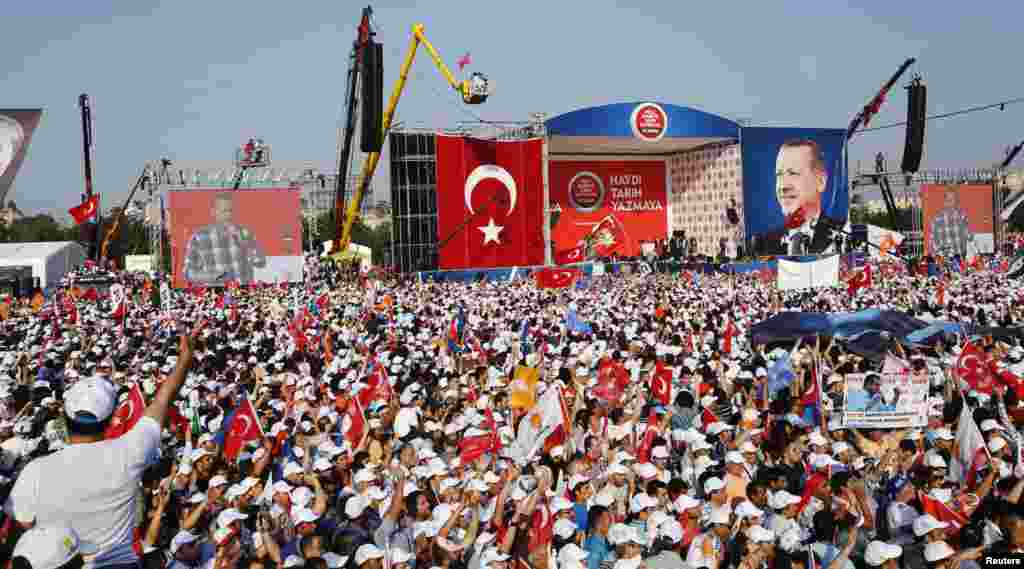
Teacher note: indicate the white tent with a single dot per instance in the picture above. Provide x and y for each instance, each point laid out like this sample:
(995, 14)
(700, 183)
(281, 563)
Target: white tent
(49, 261)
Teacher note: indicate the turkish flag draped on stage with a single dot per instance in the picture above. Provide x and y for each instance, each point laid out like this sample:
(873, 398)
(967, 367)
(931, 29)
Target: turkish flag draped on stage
(490, 203)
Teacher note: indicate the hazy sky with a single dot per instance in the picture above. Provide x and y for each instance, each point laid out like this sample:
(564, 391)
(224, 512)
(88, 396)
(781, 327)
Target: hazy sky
(190, 80)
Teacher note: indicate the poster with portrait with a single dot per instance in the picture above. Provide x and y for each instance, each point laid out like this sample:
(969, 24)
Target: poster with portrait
(16, 128)
(895, 398)
(795, 192)
(246, 236)
(958, 219)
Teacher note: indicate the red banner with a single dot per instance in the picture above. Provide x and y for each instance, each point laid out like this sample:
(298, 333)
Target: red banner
(556, 278)
(490, 203)
(626, 199)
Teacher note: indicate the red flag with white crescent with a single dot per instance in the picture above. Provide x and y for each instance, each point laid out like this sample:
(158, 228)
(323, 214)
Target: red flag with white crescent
(490, 202)
(661, 384)
(556, 278)
(127, 414)
(245, 427)
(569, 256)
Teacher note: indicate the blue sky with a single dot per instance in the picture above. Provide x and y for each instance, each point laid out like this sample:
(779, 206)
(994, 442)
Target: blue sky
(189, 80)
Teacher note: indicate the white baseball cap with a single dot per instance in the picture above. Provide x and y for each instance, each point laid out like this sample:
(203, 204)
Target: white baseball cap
(229, 516)
(47, 547)
(490, 555)
(354, 508)
(641, 502)
(367, 552)
(782, 499)
(758, 534)
(181, 538)
(924, 524)
(571, 552)
(937, 551)
(713, 484)
(564, 529)
(90, 401)
(878, 552)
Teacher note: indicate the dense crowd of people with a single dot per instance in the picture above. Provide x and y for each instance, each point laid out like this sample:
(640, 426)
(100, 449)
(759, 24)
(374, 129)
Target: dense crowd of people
(364, 423)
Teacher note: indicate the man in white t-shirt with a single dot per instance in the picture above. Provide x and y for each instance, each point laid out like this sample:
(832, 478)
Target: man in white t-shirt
(92, 485)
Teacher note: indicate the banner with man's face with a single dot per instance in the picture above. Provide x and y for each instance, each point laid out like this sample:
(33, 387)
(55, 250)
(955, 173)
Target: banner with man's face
(792, 175)
(16, 128)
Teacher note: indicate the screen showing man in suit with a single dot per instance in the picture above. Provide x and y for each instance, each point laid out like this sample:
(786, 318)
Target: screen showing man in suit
(248, 236)
(795, 195)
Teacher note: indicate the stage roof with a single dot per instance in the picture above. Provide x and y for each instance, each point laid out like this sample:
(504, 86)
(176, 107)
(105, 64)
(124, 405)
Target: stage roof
(640, 128)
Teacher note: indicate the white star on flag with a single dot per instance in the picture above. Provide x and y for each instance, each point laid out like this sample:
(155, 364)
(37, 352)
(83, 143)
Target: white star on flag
(491, 232)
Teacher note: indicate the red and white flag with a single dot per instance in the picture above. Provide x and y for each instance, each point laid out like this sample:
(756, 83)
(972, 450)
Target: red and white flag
(972, 367)
(661, 384)
(556, 278)
(127, 414)
(577, 254)
(973, 453)
(490, 202)
(354, 422)
(86, 210)
(243, 428)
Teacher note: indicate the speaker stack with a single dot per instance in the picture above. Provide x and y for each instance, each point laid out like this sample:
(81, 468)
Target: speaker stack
(917, 111)
(372, 136)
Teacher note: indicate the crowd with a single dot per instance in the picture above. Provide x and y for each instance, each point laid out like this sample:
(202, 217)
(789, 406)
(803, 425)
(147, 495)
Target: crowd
(364, 424)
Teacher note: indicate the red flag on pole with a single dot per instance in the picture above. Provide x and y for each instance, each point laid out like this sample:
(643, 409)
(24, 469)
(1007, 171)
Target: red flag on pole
(355, 421)
(243, 427)
(127, 413)
(575, 255)
(661, 384)
(972, 367)
(556, 278)
(86, 210)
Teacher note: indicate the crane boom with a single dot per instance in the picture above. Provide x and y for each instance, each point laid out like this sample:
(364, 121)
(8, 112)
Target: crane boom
(474, 92)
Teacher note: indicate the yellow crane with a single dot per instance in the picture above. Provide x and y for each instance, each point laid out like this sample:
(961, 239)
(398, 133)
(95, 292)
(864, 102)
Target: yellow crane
(473, 92)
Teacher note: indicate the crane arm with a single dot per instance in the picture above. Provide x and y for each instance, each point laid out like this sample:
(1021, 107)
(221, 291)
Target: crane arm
(114, 227)
(373, 158)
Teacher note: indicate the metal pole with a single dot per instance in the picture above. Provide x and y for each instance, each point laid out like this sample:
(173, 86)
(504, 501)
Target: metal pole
(83, 103)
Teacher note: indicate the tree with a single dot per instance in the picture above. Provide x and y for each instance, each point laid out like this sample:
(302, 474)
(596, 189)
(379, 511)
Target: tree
(377, 239)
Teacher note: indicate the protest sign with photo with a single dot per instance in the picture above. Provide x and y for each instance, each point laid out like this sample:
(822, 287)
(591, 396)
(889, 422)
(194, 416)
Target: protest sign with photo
(896, 398)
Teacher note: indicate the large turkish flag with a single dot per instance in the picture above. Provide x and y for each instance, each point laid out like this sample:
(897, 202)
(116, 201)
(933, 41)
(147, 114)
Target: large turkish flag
(490, 203)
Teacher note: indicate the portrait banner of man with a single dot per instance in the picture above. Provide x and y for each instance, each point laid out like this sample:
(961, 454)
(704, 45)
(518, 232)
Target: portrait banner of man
(16, 129)
(958, 219)
(250, 235)
(795, 194)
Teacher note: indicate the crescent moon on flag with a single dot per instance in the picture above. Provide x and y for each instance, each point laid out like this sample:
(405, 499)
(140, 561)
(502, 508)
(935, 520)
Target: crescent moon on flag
(243, 420)
(484, 172)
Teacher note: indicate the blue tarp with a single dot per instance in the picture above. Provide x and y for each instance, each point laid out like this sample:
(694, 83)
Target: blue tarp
(790, 326)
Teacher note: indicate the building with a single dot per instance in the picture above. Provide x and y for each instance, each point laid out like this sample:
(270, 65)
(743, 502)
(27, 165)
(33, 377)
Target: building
(10, 213)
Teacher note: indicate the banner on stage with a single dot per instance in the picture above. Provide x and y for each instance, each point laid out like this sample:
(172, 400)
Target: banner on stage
(897, 398)
(248, 236)
(619, 205)
(795, 192)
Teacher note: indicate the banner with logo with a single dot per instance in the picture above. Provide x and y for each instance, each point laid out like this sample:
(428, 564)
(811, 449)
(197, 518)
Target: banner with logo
(623, 201)
(794, 181)
(490, 203)
(958, 219)
(897, 398)
(16, 128)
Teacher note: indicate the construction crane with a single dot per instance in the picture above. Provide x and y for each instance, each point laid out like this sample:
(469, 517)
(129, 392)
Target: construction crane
(473, 91)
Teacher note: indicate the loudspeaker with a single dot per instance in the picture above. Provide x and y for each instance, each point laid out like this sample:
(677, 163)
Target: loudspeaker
(372, 101)
(917, 109)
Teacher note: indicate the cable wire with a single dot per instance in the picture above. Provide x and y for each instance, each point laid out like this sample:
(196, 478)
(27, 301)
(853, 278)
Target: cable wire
(1002, 105)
